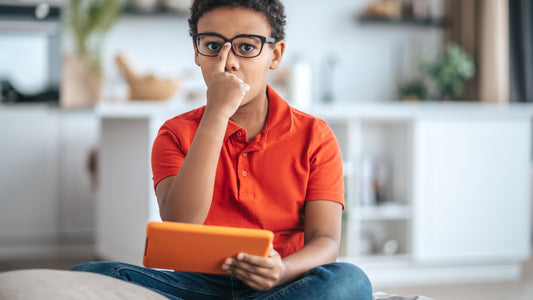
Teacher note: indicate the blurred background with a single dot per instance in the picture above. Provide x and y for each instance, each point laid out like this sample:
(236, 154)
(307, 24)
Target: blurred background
(430, 101)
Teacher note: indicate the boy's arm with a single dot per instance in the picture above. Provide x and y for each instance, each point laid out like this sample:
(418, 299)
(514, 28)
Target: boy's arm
(187, 196)
(322, 235)
(322, 238)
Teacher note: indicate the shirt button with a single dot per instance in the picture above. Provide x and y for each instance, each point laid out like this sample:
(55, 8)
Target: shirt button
(239, 133)
(245, 154)
(244, 173)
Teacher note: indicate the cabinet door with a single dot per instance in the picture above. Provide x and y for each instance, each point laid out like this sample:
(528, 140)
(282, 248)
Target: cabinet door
(472, 190)
(28, 176)
(79, 135)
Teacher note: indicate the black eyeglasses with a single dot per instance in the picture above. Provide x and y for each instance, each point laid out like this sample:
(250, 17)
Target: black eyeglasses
(243, 45)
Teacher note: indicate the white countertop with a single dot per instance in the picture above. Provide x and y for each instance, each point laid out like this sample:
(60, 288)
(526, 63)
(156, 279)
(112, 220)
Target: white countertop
(143, 109)
(383, 110)
(407, 110)
(387, 111)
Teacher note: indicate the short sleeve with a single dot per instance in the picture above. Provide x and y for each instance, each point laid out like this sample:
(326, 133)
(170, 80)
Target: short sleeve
(326, 180)
(167, 155)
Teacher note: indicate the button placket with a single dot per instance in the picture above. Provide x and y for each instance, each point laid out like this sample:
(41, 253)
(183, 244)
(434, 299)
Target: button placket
(243, 172)
(243, 164)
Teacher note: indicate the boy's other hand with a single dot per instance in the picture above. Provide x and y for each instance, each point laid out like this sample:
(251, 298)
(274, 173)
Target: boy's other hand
(225, 91)
(259, 273)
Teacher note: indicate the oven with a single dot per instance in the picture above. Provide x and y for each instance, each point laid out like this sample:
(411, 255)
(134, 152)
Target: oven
(30, 51)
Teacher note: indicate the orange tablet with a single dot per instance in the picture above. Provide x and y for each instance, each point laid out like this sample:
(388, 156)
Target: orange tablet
(200, 248)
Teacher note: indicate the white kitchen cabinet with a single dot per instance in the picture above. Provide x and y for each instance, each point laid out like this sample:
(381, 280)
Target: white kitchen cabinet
(79, 137)
(473, 191)
(46, 196)
(126, 194)
(29, 179)
(126, 201)
(458, 191)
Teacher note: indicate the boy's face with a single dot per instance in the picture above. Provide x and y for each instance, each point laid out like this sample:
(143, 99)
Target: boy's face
(230, 22)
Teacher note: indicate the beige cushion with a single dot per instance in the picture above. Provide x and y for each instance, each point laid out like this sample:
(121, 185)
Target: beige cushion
(55, 284)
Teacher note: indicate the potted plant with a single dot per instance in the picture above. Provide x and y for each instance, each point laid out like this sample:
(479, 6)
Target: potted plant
(88, 22)
(413, 91)
(451, 72)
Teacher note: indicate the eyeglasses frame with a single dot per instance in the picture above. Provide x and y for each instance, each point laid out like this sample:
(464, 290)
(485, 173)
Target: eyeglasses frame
(263, 39)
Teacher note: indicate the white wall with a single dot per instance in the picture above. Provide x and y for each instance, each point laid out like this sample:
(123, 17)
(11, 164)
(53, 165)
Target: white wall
(370, 58)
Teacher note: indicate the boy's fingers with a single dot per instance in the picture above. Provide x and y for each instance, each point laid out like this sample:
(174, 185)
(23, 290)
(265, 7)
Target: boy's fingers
(253, 260)
(257, 282)
(222, 57)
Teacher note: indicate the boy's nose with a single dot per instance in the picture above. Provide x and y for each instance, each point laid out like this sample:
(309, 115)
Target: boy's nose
(232, 62)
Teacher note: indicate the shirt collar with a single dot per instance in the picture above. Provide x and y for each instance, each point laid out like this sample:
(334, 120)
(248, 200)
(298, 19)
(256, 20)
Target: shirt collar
(279, 120)
(231, 129)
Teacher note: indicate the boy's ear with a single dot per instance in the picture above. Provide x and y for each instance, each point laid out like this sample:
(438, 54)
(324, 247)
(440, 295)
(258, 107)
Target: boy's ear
(196, 61)
(279, 49)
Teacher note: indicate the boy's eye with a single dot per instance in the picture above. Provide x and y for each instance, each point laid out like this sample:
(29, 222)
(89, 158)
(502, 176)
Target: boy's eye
(246, 48)
(213, 46)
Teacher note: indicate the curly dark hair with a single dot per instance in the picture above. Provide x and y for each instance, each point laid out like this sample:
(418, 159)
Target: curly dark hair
(273, 10)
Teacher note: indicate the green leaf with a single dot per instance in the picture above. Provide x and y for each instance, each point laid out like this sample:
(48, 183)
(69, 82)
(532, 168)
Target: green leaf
(89, 21)
(452, 71)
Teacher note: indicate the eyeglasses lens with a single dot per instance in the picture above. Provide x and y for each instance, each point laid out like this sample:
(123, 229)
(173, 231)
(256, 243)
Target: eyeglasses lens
(245, 46)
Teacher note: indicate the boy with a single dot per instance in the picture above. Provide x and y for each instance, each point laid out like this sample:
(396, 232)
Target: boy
(247, 159)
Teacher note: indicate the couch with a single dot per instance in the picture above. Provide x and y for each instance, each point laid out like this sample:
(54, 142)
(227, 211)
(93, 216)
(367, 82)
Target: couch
(63, 285)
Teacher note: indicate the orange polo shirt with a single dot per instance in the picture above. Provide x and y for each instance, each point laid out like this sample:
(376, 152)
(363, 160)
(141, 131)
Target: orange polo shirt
(265, 183)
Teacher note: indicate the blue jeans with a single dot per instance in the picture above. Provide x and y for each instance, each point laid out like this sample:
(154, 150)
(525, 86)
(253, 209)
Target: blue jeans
(331, 281)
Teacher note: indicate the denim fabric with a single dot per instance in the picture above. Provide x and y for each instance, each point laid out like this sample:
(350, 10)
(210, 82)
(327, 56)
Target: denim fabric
(331, 281)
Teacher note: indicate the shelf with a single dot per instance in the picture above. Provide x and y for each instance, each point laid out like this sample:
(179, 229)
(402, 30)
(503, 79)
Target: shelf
(159, 11)
(21, 13)
(419, 22)
(386, 212)
(379, 260)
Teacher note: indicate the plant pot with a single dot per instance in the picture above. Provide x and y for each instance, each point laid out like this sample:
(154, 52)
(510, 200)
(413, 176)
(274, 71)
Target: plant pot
(80, 88)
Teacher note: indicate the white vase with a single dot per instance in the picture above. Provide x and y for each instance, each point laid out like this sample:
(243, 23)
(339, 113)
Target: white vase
(300, 84)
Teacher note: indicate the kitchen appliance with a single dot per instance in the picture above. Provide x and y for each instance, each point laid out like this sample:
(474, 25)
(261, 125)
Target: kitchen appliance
(30, 51)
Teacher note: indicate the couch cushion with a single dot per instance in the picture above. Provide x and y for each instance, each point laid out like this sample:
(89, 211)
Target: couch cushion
(56, 284)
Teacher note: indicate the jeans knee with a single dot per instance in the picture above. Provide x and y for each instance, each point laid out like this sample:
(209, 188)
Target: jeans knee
(356, 274)
(100, 267)
(348, 281)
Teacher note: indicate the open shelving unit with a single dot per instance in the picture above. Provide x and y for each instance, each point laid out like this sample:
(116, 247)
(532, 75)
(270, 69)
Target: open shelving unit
(374, 228)
(384, 213)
